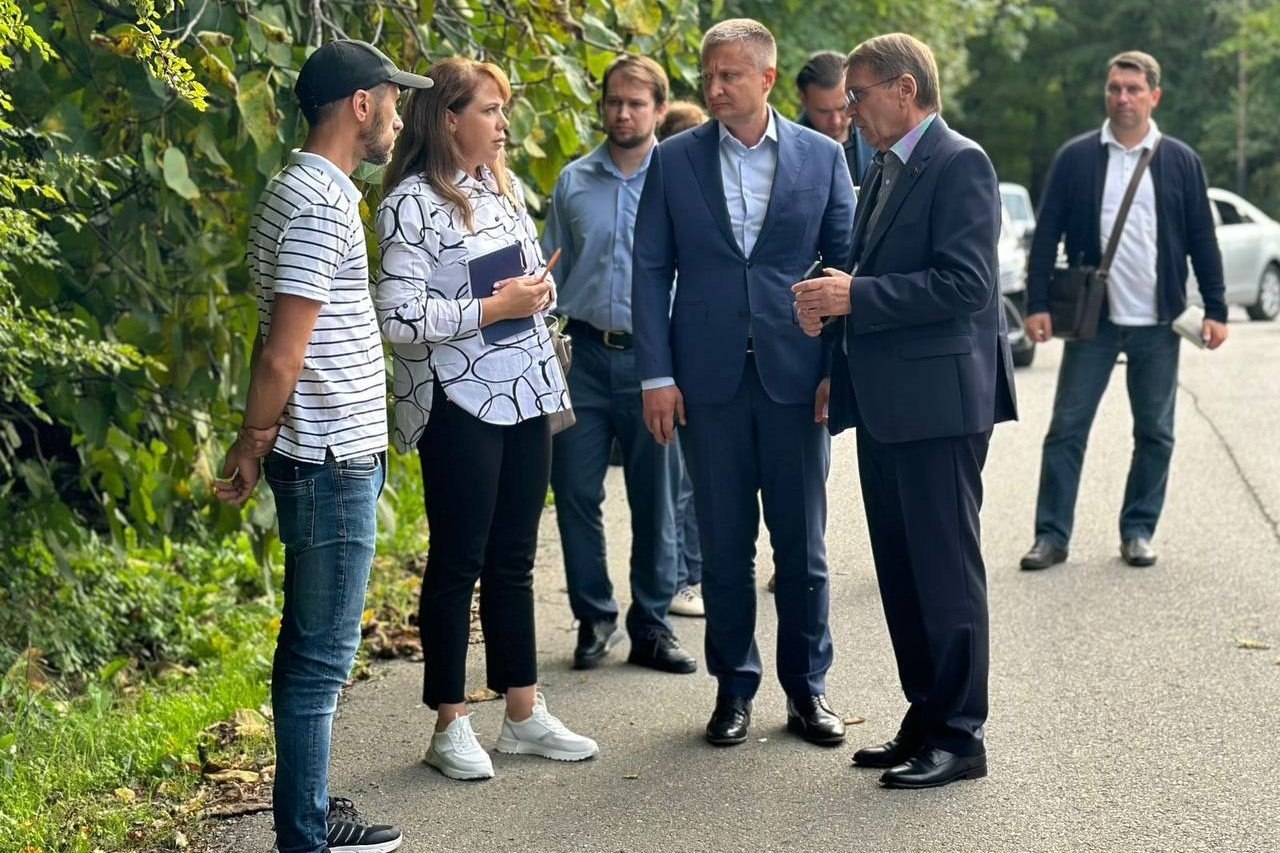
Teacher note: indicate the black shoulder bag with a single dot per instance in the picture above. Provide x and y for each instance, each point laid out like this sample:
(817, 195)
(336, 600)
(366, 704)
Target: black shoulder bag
(1076, 293)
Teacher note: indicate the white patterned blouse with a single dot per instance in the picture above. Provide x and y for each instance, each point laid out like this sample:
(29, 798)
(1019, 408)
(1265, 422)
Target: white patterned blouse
(427, 311)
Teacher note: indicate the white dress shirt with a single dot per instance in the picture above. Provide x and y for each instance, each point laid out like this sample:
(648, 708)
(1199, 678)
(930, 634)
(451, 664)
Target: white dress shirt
(1131, 286)
(747, 174)
(426, 309)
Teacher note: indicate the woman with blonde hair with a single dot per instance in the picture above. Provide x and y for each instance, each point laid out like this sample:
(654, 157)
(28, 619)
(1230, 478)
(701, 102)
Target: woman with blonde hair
(475, 376)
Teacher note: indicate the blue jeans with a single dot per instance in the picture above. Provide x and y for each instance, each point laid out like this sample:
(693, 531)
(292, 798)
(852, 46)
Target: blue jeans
(328, 524)
(606, 398)
(688, 548)
(1151, 374)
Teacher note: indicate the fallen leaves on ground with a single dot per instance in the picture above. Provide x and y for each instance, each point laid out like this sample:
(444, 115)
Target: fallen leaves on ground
(482, 694)
(854, 721)
(1256, 645)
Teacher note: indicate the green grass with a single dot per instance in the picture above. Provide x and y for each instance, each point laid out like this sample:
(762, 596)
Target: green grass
(64, 760)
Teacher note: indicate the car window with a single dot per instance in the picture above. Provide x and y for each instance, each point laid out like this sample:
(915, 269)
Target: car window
(1230, 214)
(1018, 206)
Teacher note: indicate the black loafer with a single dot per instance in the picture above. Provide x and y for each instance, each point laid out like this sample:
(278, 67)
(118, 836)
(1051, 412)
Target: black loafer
(886, 755)
(729, 721)
(594, 641)
(662, 651)
(932, 768)
(1138, 552)
(812, 718)
(1042, 555)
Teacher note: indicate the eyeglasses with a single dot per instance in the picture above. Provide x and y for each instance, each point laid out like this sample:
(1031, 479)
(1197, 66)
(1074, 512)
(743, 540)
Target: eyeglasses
(853, 97)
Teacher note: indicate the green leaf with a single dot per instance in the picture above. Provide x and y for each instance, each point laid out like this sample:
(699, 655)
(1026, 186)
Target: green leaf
(257, 104)
(177, 176)
(641, 17)
(598, 33)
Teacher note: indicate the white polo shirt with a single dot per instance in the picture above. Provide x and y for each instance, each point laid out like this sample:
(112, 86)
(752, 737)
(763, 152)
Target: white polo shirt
(1131, 287)
(306, 239)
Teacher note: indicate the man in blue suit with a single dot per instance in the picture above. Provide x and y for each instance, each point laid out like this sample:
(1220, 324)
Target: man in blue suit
(739, 207)
(921, 366)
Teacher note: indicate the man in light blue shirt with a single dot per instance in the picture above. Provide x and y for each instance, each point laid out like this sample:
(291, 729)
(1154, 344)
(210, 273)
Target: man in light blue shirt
(592, 223)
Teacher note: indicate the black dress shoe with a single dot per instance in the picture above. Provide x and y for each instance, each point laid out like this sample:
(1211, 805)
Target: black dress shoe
(932, 767)
(729, 721)
(1042, 555)
(886, 755)
(811, 717)
(1138, 552)
(594, 641)
(662, 651)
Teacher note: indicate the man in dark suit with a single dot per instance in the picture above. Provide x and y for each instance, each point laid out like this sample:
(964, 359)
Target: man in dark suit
(739, 207)
(921, 366)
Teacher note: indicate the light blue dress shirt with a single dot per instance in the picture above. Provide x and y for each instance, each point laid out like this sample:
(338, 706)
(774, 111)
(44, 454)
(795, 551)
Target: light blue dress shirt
(747, 174)
(593, 222)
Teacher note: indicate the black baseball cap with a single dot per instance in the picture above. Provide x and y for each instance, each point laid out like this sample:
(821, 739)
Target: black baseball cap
(343, 66)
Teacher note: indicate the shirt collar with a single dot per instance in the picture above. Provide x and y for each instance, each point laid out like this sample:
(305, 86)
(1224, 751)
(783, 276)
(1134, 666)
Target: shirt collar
(770, 133)
(906, 146)
(1109, 138)
(324, 164)
(601, 157)
(486, 179)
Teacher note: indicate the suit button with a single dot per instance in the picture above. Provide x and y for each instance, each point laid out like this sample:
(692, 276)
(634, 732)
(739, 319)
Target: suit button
(749, 264)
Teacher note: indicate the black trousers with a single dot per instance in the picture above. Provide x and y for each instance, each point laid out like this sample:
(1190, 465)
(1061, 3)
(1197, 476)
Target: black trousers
(922, 500)
(484, 487)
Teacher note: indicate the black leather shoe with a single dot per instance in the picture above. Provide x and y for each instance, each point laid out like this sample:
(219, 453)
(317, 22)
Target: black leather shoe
(1042, 555)
(594, 641)
(886, 755)
(729, 721)
(662, 651)
(1138, 552)
(932, 768)
(811, 717)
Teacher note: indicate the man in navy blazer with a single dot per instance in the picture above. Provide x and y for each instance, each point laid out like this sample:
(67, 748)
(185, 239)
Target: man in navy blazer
(921, 366)
(739, 208)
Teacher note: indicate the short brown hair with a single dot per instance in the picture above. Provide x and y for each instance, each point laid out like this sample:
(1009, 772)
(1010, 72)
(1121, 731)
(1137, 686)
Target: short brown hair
(1138, 61)
(681, 115)
(638, 69)
(898, 54)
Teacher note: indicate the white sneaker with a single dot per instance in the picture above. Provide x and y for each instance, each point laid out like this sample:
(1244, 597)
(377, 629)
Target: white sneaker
(456, 753)
(543, 734)
(688, 602)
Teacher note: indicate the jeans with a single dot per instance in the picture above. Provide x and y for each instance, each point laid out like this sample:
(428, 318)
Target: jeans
(328, 524)
(688, 548)
(607, 400)
(1151, 375)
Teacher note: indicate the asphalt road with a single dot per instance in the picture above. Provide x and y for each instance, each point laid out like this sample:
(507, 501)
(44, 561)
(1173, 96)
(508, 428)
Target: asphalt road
(1125, 716)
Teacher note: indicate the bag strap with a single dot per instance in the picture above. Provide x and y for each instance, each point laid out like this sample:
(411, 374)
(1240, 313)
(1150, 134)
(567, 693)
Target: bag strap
(1113, 242)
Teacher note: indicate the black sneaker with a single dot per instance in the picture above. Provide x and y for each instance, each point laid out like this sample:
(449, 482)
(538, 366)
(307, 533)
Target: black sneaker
(349, 832)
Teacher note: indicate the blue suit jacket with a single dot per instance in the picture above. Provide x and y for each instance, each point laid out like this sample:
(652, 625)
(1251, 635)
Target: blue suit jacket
(927, 352)
(682, 227)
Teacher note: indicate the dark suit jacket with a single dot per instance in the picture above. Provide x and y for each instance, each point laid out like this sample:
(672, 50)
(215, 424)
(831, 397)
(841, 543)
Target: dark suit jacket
(927, 352)
(1072, 204)
(682, 226)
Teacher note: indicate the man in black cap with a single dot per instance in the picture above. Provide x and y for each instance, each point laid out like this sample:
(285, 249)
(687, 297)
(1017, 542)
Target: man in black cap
(316, 411)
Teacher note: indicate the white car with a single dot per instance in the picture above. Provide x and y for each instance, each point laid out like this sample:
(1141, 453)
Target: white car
(1250, 244)
(1015, 239)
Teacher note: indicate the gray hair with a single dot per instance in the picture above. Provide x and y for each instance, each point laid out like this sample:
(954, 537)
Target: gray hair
(755, 35)
(898, 54)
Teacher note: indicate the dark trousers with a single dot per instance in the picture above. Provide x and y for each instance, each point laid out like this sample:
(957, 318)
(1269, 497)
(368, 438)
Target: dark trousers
(484, 487)
(922, 500)
(607, 401)
(1151, 374)
(741, 453)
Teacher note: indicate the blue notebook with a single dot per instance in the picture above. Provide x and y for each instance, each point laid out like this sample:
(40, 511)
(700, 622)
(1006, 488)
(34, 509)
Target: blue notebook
(486, 270)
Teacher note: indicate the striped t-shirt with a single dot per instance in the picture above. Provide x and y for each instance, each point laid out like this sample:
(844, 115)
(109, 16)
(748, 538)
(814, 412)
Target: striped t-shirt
(306, 240)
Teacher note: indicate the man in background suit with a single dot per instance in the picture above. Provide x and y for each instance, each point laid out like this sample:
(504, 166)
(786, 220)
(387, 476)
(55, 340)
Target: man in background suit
(739, 207)
(921, 366)
(820, 85)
